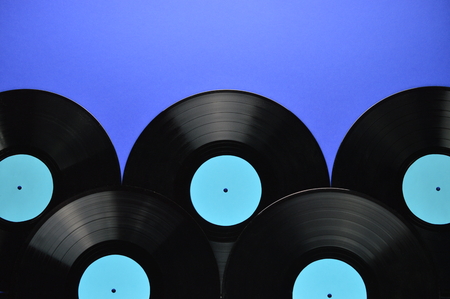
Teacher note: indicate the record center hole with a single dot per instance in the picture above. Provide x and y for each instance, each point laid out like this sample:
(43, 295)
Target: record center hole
(113, 290)
(19, 187)
(225, 190)
(438, 188)
(329, 295)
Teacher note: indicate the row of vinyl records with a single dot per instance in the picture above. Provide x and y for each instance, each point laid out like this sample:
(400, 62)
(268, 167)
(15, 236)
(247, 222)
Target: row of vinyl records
(224, 194)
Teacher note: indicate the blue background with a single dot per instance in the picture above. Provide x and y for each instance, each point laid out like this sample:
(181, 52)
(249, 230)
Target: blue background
(126, 61)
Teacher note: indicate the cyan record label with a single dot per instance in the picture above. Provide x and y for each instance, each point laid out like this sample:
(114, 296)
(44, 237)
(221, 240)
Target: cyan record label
(225, 190)
(116, 277)
(26, 187)
(426, 188)
(329, 278)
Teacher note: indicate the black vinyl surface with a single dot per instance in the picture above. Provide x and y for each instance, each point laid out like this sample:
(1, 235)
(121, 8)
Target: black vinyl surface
(150, 229)
(328, 223)
(273, 140)
(67, 139)
(384, 142)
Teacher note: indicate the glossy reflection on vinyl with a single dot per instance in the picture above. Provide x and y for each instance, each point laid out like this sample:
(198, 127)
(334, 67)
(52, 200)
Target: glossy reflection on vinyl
(426, 188)
(329, 278)
(225, 190)
(116, 277)
(26, 187)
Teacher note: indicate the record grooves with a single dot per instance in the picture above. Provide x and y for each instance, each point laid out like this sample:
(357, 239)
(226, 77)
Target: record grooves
(147, 228)
(328, 223)
(64, 139)
(381, 146)
(225, 123)
(274, 141)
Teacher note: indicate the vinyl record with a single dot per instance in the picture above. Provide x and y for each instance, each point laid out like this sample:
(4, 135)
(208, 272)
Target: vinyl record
(398, 152)
(146, 230)
(224, 156)
(50, 149)
(279, 244)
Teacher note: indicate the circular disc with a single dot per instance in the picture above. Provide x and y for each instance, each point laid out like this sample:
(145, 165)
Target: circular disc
(328, 223)
(26, 186)
(225, 190)
(114, 276)
(390, 154)
(147, 228)
(50, 150)
(330, 278)
(279, 147)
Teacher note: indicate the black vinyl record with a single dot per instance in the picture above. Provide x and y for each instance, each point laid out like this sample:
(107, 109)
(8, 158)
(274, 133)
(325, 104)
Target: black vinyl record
(273, 140)
(45, 139)
(148, 228)
(328, 223)
(226, 124)
(382, 146)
